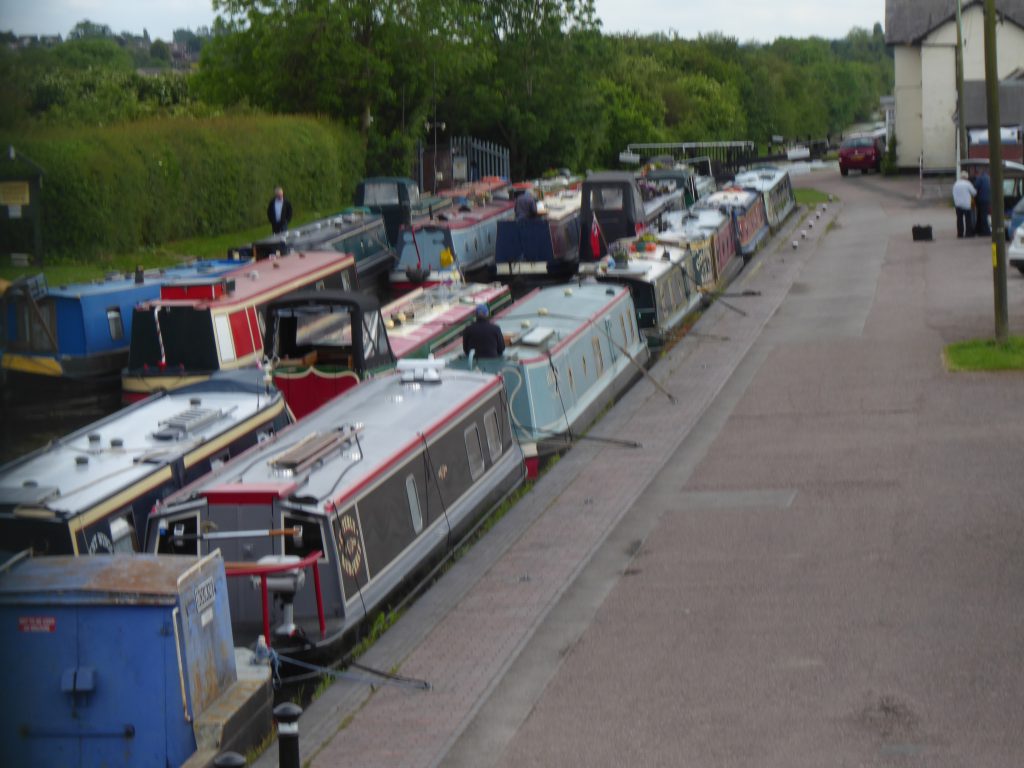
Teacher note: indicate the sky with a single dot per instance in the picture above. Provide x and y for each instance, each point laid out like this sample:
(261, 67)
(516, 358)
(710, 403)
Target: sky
(745, 20)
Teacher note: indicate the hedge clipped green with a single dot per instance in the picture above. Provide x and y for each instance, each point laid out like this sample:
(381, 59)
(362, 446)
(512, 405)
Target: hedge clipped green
(114, 189)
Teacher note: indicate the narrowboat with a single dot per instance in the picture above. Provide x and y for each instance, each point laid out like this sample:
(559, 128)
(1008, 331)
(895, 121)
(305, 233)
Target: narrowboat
(356, 231)
(458, 244)
(322, 343)
(705, 231)
(615, 206)
(326, 521)
(746, 209)
(198, 327)
(427, 320)
(546, 245)
(667, 283)
(776, 187)
(125, 662)
(80, 332)
(399, 201)
(570, 351)
(694, 186)
(91, 491)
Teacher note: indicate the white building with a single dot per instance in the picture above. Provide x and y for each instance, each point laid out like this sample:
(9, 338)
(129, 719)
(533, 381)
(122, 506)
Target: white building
(923, 36)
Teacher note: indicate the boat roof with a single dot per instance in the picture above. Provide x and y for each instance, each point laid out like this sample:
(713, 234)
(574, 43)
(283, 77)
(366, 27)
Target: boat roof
(64, 576)
(643, 270)
(562, 204)
(457, 218)
(318, 458)
(119, 282)
(338, 225)
(539, 322)
(79, 470)
(606, 177)
(696, 224)
(363, 302)
(761, 179)
(426, 313)
(731, 197)
(265, 280)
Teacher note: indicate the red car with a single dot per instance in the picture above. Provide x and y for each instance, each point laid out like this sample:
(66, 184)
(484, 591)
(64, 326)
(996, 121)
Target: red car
(863, 153)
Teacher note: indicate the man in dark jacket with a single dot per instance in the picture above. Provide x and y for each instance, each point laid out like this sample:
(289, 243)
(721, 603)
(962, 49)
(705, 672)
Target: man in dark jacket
(483, 336)
(983, 202)
(279, 211)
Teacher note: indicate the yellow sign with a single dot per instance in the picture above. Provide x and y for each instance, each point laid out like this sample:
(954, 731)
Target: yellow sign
(13, 193)
(995, 256)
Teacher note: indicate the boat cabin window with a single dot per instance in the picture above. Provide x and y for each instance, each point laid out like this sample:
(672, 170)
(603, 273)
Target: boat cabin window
(622, 322)
(414, 503)
(31, 325)
(474, 452)
(606, 199)
(493, 434)
(307, 542)
(181, 536)
(431, 243)
(225, 342)
(598, 356)
(375, 337)
(115, 323)
(383, 193)
(326, 331)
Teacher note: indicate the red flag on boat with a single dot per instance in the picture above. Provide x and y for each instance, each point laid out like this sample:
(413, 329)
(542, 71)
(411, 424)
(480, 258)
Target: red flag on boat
(595, 239)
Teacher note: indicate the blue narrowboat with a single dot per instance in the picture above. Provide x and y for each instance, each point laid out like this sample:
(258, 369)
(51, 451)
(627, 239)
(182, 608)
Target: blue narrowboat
(124, 662)
(570, 351)
(80, 331)
(548, 244)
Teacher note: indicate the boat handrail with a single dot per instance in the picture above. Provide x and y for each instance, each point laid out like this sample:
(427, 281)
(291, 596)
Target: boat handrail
(239, 570)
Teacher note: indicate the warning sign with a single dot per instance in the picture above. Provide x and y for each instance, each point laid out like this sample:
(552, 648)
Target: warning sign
(14, 193)
(37, 623)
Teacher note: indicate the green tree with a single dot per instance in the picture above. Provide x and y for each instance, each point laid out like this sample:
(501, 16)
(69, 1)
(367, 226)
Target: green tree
(86, 29)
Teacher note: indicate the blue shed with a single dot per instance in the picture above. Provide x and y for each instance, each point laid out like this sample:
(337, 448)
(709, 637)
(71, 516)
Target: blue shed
(118, 657)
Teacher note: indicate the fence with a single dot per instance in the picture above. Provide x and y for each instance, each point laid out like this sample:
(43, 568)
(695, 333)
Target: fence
(462, 159)
(726, 156)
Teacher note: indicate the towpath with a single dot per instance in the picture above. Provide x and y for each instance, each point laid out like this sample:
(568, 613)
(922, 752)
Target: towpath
(813, 560)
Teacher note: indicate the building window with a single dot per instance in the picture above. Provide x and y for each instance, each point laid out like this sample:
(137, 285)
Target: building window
(474, 452)
(493, 434)
(414, 503)
(115, 323)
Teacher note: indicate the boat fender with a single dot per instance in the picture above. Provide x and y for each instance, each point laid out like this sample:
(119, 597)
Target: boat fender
(417, 274)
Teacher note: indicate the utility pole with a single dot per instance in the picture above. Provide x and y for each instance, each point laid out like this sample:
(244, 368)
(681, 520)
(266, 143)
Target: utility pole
(995, 164)
(961, 118)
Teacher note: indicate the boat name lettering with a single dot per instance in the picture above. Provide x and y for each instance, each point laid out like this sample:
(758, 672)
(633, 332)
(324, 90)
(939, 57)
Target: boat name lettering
(206, 593)
(37, 623)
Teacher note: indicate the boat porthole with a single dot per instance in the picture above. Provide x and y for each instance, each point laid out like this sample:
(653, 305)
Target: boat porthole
(442, 472)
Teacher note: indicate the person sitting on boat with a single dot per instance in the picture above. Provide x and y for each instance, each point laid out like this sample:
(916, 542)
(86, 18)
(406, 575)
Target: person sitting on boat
(483, 337)
(526, 206)
(279, 211)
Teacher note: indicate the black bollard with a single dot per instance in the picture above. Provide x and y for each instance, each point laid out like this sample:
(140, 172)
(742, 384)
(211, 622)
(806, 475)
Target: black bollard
(287, 716)
(229, 760)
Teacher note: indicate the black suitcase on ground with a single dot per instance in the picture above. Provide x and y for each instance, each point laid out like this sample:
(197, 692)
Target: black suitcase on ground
(922, 233)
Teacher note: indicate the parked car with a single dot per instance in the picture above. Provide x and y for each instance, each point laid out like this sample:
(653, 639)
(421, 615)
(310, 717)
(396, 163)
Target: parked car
(1016, 220)
(1015, 238)
(862, 153)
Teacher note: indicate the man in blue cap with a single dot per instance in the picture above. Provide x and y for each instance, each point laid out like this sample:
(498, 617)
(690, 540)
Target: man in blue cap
(483, 336)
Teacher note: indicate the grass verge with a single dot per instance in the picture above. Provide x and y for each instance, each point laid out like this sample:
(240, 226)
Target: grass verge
(809, 196)
(986, 355)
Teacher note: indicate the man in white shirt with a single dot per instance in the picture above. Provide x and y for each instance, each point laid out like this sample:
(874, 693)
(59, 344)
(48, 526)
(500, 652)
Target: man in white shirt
(963, 197)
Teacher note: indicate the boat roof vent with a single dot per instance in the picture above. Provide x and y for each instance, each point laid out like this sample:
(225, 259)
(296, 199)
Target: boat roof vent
(312, 448)
(188, 421)
(537, 337)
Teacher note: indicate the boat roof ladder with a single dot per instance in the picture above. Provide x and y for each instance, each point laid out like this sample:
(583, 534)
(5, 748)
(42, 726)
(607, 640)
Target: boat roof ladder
(313, 448)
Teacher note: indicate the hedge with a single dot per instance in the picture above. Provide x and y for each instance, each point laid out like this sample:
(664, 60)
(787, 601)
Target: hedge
(114, 189)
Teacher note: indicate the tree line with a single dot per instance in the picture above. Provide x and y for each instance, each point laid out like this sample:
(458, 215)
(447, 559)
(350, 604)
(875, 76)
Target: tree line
(541, 78)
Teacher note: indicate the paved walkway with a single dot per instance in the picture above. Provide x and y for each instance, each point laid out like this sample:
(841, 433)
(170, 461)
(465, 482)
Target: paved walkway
(731, 593)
